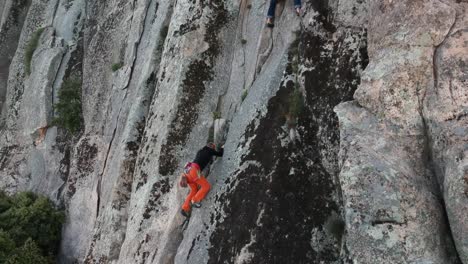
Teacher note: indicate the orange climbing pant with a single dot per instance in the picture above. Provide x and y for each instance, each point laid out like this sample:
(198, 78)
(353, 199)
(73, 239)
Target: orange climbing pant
(199, 187)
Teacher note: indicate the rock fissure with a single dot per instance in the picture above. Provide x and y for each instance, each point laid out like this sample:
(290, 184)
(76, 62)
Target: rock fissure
(104, 167)
(56, 81)
(11, 25)
(57, 4)
(132, 67)
(121, 108)
(431, 163)
(456, 258)
(387, 222)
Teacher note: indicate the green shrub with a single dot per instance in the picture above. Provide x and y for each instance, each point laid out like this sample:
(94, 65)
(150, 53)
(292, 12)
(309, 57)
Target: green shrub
(30, 48)
(116, 66)
(6, 245)
(244, 94)
(68, 108)
(296, 103)
(30, 228)
(27, 254)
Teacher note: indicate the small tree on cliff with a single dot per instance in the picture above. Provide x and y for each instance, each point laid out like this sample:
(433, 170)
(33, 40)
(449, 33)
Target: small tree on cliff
(30, 228)
(68, 109)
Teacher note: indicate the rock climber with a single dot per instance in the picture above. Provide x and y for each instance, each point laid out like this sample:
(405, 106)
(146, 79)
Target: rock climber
(192, 177)
(271, 11)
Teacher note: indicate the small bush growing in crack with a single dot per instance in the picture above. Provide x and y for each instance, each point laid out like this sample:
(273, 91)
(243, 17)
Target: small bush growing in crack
(30, 48)
(244, 94)
(296, 103)
(244, 41)
(295, 100)
(68, 108)
(216, 115)
(116, 66)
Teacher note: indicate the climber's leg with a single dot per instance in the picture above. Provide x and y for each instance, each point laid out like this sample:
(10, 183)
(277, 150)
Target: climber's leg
(193, 192)
(204, 189)
(271, 13)
(297, 6)
(297, 3)
(271, 9)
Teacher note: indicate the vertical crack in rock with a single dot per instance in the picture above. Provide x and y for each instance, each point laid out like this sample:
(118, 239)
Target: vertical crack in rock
(199, 74)
(56, 81)
(429, 149)
(129, 167)
(243, 20)
(137, 43)
(124, 192)
(123, 188)
(64, 171)
(121, 106)
(57, 4)
(262, 57)
(10, 33)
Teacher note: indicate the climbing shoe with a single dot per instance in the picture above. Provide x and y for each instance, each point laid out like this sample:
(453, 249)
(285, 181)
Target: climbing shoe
(269, 22)
(196, 205)
(186, 214)
(298, 11)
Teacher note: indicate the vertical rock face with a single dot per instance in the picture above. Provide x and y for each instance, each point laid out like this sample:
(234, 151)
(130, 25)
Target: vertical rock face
(396, 167)
(12, 16)
(307, 177)
(445, 112)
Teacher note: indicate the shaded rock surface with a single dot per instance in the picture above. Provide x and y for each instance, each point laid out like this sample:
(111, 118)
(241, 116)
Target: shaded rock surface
(318, 179)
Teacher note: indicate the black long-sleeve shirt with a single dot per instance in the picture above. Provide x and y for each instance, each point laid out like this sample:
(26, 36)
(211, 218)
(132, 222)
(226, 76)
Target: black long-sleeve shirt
(204, 156)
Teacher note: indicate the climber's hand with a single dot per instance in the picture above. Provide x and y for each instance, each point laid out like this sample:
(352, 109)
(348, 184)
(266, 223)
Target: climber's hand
(183, 181)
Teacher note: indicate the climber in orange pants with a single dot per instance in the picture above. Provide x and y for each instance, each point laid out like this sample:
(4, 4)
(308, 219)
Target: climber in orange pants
(192, 177)
(194, 181)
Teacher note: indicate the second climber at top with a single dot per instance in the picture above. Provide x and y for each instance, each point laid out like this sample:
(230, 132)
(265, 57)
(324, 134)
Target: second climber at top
(272, 8)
